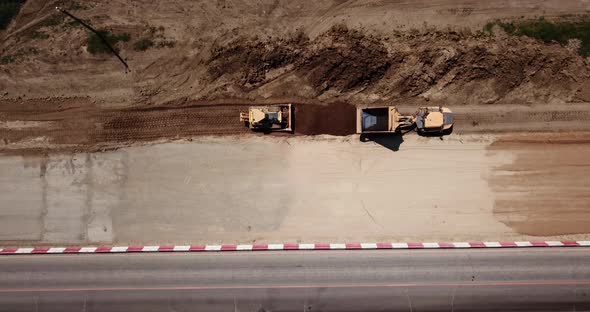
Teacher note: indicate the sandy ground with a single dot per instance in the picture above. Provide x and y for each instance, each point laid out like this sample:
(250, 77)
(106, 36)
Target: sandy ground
(545, 187)
(417, 63)
(263, 189)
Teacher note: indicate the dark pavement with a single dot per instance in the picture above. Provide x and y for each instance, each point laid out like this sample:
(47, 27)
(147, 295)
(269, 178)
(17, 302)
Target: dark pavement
(531, 279)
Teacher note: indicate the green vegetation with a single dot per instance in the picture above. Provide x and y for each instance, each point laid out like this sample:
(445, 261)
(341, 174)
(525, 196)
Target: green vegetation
(549, 31)
(153, 37)
(6, 59)
(53, 20)
(125, 37)
(39, 35)
(166, 44)
(8, 10)
(143, 44)
(27, 51)
(96, 45)
(76, 6)
(73, 23)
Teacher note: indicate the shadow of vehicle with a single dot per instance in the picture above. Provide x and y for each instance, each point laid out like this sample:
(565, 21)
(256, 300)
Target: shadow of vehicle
(391, 141)
(267, 131)
(436, 133)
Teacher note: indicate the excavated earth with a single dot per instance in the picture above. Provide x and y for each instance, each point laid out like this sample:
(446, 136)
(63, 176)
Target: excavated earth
(199, 75)
(210, 60)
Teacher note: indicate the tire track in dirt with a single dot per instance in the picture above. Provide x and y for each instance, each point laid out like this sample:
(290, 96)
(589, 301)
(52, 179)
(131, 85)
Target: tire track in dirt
(76, 124)
(503, 121)
(145, 125)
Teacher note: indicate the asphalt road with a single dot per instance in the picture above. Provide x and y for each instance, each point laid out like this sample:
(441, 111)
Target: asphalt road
(550, 279)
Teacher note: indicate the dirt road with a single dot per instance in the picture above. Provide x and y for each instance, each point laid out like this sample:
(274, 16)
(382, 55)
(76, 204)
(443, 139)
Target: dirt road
(291, 189)
(48, 126)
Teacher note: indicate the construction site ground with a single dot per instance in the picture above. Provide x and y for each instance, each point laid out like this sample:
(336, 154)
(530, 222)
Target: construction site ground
(77, 125)
(245, 189)
(90, 154)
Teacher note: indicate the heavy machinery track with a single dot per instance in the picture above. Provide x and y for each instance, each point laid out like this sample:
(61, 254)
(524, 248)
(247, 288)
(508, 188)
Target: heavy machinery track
(142, 125)
(72, 125)
(502, 121)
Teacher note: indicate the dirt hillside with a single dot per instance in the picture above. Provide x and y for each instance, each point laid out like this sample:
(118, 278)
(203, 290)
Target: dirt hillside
(363, 51)
(213, 58)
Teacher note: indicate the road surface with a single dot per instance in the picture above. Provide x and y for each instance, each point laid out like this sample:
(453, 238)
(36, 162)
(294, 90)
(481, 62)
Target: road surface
(418, 280)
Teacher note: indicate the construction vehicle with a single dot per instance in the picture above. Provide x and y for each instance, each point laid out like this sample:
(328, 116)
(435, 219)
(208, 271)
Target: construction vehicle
(434, 120)
(387, 119)
(269, 118)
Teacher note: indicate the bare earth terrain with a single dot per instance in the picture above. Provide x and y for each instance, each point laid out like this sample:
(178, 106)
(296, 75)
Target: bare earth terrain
(359, 51)
(91, 154)
(294, 189)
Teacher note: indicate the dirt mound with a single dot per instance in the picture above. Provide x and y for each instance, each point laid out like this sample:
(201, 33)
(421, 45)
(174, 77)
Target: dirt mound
(511, 70)
(440, 66)
(334, 118)
(259, 52)
(249, 60)
(343, 59)
(340, 59)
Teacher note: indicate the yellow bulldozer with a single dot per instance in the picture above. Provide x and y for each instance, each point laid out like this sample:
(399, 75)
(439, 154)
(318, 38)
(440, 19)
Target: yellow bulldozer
(269, 118)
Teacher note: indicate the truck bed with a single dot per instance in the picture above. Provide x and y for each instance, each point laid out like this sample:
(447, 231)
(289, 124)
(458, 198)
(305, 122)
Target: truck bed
(374, 119)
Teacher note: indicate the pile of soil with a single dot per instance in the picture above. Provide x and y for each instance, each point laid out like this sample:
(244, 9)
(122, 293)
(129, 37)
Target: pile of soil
(334, 118)
(251, 60)
(340, 59)
(343, 59)
(292, 51)
(438, 66)
(514, 70)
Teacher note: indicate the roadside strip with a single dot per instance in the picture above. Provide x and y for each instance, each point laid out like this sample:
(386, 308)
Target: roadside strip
(266, 247)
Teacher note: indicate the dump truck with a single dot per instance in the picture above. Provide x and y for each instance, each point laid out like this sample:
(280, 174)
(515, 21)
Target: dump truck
(269, 118)
(387, 119)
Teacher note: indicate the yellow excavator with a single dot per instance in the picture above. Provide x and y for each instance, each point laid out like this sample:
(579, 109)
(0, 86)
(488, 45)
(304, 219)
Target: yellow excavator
(269, 118)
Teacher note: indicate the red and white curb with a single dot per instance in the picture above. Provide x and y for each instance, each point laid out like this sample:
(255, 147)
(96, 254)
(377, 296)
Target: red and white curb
(266, 247)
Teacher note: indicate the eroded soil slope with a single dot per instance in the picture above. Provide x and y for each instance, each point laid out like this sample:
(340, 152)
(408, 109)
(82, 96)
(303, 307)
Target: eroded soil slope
(440, 67)
(359, 51)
